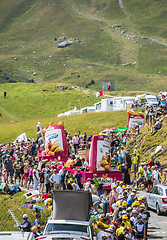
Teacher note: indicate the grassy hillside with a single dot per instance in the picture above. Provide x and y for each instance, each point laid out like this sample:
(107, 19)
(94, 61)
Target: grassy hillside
(88, 122)
(15, 203)
(31, 101)
(148, 143)
(31, 30)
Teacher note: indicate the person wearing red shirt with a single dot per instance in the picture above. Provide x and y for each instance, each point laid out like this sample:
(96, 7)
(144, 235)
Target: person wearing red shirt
(117, 223)
(151, 163)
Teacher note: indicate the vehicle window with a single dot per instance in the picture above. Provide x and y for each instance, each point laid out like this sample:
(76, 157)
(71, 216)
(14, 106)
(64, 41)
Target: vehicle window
(155, 190)
(161, 191)
(110, 103)
(51, 227)
(152, 100)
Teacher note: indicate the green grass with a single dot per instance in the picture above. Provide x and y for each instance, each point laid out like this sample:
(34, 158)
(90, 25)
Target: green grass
(31, 101)
(14, 203)
(148, 17)
(88, 122)
(147, 144)
(31, 26)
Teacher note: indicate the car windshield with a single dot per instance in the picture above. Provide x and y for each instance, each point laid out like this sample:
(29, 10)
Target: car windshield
(52, 227)
(152, 100)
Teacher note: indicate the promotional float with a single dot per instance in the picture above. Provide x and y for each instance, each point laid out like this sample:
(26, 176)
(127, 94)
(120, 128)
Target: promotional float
(53, 147)
(99, 162)
(52, 142)
(135, 118)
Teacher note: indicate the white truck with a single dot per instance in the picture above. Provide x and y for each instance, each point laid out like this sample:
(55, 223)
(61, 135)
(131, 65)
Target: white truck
(70, 217)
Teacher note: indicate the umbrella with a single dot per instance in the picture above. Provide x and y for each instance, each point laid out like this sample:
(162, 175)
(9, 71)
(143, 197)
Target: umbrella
(111, 130)
(121, 129)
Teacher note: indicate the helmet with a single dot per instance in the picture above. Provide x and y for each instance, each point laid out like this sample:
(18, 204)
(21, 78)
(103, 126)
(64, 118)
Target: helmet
(49, 200)
(25, 216)
(115, 186)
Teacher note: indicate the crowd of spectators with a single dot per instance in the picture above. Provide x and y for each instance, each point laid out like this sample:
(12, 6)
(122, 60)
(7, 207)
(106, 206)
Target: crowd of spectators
(117, 213)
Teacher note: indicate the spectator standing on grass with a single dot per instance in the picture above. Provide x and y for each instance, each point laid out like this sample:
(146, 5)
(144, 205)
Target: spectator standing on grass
(55, 179)
(104, 199)
(47, 182)
(4, 94)
(42, 179)
(30, 176)
(35, 177)
(76, 143)
(5, 176)
(68, 178)
(155, 175)
(79, 179)
(149, 178)
(17, 167)
(8, 163)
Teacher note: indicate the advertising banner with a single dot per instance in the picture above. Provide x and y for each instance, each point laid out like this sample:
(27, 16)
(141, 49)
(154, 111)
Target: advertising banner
(55, 141)
(135, 118)
(100, 148)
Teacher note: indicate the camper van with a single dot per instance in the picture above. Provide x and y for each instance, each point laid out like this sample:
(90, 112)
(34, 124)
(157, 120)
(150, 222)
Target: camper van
(87, 109)
(114, 104)
(122, 103)
(147, 100)
(105, 105)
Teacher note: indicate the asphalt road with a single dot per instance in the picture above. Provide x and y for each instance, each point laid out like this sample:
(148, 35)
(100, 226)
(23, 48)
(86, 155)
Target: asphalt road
(157, 227)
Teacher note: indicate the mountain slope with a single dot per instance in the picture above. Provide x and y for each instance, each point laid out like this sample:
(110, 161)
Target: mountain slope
(112, 40)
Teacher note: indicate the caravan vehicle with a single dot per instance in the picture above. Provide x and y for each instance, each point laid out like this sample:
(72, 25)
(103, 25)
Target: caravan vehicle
(87, 109)
(69, 113)
(147, 100)
(97, 106)
(121, 103)
(105, 105)
(114, 104)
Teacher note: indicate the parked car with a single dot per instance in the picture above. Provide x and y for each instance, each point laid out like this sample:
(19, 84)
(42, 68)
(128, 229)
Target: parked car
(16, 235)
(157, 198)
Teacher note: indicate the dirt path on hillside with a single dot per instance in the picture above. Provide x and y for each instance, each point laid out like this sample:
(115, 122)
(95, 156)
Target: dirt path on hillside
(154, 40)
(122, 6)
(9, 115)
(128, 35)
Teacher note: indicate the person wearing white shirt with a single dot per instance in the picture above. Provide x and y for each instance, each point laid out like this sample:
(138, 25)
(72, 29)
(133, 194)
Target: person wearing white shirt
(55, 178)
(101, 233)
(155, 175)
(119, 188)
(35, 177)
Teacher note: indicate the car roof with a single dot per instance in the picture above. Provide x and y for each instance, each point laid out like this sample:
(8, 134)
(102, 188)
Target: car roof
(14, 235)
